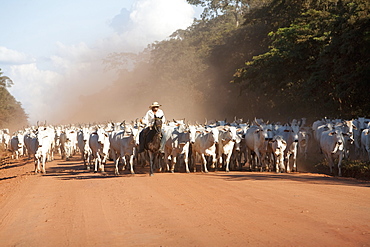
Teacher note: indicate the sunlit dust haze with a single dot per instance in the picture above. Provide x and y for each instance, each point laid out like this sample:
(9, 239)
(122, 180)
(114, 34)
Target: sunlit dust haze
(57, 66)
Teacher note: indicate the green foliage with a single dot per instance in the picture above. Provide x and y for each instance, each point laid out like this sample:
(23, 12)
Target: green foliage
(350, 168)
(356, 169)
(290, 58)
(320, 59)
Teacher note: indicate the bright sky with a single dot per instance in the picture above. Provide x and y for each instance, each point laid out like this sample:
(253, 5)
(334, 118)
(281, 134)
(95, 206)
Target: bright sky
(53, 50)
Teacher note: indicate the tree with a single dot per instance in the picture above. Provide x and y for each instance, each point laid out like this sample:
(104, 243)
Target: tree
(236, 8)
(12, 115)
(317, 60)
(5, 81)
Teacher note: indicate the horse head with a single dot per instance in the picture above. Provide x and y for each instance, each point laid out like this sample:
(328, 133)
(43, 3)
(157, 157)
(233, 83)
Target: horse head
(157, 125)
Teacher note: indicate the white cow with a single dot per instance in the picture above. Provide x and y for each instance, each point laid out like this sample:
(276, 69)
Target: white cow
(30, 142)
(332, 146)
(347, 129)
(122, 145)
(278, 146)
(255, 141)
(290, 135)
(99, 144)
(68, 142)
(16, 145)
(226, 142)
(45, 136)
(83, 136)
(203, 141)
(304, 137)
(5, 138)
(361, 124)
(365, 141)
(177, 144)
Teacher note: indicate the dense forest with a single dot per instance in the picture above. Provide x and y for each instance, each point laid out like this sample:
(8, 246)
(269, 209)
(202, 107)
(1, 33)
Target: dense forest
(11, 111)
(271, 59)
(276, 59)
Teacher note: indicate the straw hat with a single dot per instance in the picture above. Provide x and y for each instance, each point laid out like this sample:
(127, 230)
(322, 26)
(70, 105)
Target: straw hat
(155, 104)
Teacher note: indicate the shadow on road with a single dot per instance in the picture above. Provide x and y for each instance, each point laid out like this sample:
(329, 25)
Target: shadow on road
(298, 177)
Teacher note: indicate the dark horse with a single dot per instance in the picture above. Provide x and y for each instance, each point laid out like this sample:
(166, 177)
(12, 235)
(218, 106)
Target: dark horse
(150, 140)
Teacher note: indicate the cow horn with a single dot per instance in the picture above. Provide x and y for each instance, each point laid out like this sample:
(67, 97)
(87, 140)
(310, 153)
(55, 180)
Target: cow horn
(255, 120)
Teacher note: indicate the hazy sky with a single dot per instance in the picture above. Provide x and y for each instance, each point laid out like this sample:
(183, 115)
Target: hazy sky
(53, 50)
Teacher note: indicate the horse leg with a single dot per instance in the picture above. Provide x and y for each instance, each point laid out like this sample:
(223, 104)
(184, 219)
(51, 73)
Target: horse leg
(151, 158)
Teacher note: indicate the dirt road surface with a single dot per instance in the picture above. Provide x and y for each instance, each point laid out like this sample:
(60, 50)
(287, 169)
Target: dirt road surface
(72, 207)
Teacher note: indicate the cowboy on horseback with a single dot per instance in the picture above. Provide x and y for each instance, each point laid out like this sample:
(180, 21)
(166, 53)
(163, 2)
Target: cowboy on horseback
(149, 120)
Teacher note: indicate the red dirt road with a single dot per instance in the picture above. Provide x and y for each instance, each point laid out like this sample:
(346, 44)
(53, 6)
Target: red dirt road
(72, 207)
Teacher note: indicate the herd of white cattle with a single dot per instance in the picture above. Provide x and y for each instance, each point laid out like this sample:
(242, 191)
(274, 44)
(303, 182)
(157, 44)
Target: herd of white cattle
(263, 146)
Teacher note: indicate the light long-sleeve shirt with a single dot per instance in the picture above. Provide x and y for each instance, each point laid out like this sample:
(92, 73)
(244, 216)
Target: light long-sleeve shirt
(148, 119)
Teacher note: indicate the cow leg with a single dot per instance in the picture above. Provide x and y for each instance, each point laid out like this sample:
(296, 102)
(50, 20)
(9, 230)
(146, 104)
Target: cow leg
(173, 163)
(116, 163)
(97, 162)
(204, 161)
(103, 162)
(37, 165)
(220, 162)
(132, 164)
(277, 163)
(295, 162)
(43, 163)
(340, 164)
(287, 157)
(186, 160)
(329, 158)
(228, 157)
(281, 162)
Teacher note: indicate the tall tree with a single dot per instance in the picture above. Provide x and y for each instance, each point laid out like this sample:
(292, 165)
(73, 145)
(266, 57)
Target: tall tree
(320, 59)
(12, 115)
(236, 8)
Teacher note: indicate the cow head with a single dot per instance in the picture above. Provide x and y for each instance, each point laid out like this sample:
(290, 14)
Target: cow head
(338, 139)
